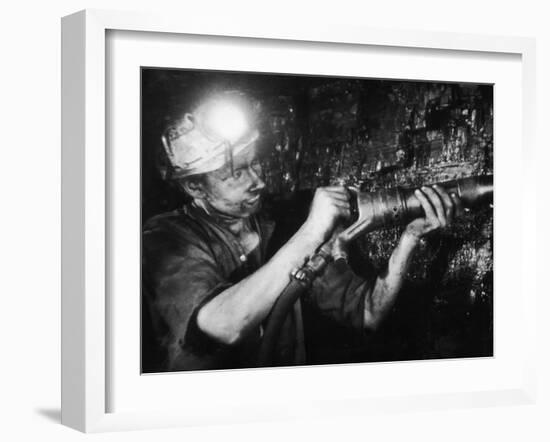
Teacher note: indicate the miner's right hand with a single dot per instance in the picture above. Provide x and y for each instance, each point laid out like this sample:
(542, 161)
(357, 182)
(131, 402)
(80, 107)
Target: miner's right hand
(329, 205)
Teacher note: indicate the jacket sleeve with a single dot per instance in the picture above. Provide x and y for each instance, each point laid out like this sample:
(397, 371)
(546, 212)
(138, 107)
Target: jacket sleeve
(182, 275)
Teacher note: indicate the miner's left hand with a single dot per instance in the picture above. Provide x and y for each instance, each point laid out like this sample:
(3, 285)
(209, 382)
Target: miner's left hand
(439, 208)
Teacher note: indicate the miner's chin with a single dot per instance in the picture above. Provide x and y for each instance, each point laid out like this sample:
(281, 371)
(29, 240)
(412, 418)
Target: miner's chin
(252, 206)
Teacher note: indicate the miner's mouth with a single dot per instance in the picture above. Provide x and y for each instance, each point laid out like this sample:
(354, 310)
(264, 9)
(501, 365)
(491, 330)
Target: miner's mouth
(253, 200)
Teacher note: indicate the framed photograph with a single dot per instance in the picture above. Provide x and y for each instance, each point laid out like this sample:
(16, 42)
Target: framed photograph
(278, 224)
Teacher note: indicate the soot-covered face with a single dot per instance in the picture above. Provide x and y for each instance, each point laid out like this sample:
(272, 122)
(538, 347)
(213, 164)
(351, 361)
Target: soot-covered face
(235, 193)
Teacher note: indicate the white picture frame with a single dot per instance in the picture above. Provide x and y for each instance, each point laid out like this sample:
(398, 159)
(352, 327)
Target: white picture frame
(86, 215)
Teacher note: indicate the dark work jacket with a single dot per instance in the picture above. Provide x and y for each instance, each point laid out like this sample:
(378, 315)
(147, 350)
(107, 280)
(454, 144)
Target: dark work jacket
(189, 258)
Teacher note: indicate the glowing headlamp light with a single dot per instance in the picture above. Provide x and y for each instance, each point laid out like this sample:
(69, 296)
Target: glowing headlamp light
(226, 121)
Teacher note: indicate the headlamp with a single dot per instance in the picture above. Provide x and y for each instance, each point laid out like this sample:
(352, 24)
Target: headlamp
(208, 138)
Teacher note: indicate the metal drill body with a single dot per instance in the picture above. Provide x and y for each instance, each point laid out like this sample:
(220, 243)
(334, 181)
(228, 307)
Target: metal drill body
(399, 206)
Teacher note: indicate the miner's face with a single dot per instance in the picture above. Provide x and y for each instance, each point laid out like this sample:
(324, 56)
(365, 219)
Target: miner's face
(236, 194)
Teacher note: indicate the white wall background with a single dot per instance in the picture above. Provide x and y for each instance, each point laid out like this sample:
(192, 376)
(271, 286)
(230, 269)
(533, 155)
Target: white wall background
(30, 217)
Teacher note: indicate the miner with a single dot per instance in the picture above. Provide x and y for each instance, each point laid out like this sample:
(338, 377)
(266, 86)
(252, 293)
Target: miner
(208, 283)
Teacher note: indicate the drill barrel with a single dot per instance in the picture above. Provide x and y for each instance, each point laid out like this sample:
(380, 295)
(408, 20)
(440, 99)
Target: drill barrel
(399, 206)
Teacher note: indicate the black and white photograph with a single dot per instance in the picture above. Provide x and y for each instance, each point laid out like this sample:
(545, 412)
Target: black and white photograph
(267, 221)
(295, 220)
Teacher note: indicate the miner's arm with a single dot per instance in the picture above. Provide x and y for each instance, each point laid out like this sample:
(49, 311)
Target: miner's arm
(236, 311)
(439, 209)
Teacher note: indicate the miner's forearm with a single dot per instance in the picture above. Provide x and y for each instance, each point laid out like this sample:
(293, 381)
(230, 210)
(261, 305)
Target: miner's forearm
(242, 307)
(379, 301)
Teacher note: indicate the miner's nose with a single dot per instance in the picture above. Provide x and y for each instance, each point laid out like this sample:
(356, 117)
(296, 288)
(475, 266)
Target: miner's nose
(256, 178)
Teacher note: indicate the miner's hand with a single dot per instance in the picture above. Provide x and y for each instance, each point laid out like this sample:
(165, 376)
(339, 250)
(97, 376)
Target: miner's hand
(439, 208)
(329, 205)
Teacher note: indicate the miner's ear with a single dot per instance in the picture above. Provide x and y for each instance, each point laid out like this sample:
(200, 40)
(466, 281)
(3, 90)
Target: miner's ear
(194, 187)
